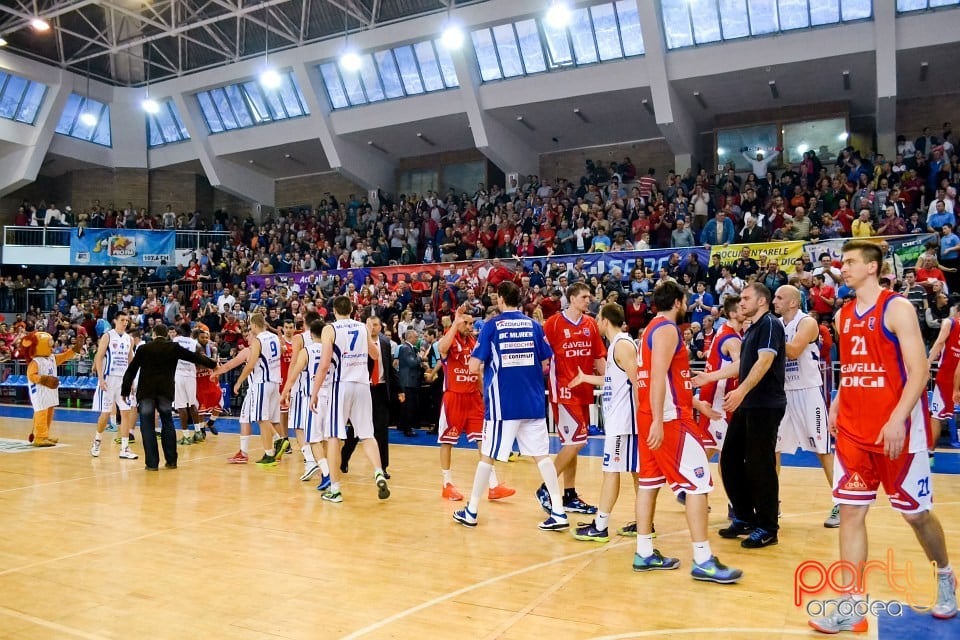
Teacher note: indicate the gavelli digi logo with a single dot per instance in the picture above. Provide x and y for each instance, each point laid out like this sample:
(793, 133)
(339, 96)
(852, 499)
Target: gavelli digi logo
(813, 578)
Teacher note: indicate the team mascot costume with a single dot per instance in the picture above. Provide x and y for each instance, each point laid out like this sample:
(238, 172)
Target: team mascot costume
(37, 348)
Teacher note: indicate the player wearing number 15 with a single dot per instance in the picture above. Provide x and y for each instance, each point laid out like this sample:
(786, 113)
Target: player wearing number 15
(879, 421)
(263, 368)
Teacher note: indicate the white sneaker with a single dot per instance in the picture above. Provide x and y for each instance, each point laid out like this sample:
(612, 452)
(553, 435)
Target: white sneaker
(833, 520)
(126, 454)
(309, 470)
(946, 606)
(95, 449)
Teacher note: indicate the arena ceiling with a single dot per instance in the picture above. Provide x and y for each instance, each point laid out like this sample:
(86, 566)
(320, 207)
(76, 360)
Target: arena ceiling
(131, 42)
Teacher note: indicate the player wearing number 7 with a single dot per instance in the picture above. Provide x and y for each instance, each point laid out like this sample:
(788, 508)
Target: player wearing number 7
(263, 368)
(346, 347)
(879, 420)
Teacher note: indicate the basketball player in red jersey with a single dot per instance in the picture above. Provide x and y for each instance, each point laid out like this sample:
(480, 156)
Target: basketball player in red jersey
(946, 352)
(577, 346)
(287, 332)
(879, 421)
(461, 410)
(671, 451)
(209, 395)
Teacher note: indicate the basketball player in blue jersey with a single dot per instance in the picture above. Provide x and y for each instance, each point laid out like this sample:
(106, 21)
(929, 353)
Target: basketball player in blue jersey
(512, 353)
(346, 347)
(263, 369)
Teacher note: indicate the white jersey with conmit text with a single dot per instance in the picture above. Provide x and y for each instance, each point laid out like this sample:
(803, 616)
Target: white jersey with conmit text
(314, 353)
(804, 372)
(619, 392)
(118, 354)
(350, 352)
(186, 369)
(267, 368)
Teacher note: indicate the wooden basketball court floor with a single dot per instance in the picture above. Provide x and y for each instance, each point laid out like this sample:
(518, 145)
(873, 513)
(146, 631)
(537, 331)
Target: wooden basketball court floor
(99, 548)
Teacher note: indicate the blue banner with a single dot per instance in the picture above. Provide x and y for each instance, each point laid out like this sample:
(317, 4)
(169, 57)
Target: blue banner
(123, 248)
(600, 263)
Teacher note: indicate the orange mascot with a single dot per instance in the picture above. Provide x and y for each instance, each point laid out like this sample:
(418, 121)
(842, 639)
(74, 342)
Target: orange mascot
(43, 382)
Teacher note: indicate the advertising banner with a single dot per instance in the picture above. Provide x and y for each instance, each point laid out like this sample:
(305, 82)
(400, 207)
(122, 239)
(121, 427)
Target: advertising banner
(784, 252)
(600, 263)
(123, 248)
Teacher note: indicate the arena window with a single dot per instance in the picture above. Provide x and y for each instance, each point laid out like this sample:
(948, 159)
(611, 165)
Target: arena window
(95, 129)
(165, 126)
(20, 99)
(248, 104)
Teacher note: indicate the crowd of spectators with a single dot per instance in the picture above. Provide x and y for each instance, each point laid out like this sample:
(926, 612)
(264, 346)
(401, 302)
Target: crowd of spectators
(609, 208)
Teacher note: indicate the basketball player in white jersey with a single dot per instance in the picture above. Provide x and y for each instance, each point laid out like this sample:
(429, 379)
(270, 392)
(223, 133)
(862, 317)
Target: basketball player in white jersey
(114, 353)
(804, 425)
(263, 369)
(307, 423)
(346, 346)
(620, 448)
(241, 456)
(185, 391)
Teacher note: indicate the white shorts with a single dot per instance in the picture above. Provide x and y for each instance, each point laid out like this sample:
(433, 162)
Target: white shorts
(620, 453)
(499, 436)
(264, 402)
(349, 402)
(804, 424)
(307, 420)
(184, 392)
(105, 400)
(245, 410)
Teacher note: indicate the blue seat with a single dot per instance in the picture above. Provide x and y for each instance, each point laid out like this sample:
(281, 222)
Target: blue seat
(69, 383)
(21, 380)
(90, 383)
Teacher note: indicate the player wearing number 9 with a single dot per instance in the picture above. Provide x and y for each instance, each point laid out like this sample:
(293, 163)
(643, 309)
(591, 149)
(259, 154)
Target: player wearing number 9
(263, 369)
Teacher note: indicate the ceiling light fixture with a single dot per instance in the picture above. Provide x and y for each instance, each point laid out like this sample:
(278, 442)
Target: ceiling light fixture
(646, 105)
(558, 15)
(374, 145)
(269, 78)
(87, 118)
(40, 25)
(846, 81)
(924, 68)
(426, 139)
(3, 41)
(148, 104)
(773, 89)
(349, 59)
(452, 37)
(526, 124)
(699, 98)
(579, 114)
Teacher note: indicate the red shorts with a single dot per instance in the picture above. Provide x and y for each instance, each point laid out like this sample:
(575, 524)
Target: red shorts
(572, 422)
(941, 402)
(859, 472)
(702, 429)
(208, 395)
(460, 413)
(679, 461)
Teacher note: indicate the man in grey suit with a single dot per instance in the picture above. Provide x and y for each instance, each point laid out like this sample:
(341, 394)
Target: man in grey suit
(383, 383)
(411, 375)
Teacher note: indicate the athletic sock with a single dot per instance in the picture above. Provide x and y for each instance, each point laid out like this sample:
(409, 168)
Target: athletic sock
(244, 444)
(550, 481)
(702, 552)
(481, 481)
(493, 478)
(334, 487)
(603, 520)
(377, 473)
(447, 476)
(945, 571)
(324, 467)
(645, 545)
(308, 453)
(124, 443)
(269, 453)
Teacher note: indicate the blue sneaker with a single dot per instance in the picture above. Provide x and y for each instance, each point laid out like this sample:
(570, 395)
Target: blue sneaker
(555, 522)
(715, 571)
(655, 562)
(464, 517)
(576, 505)
(759, 538)
(594, 430)
(544, 497)
(589, 532)
(682, 497)
(736, 529)
(324, 483)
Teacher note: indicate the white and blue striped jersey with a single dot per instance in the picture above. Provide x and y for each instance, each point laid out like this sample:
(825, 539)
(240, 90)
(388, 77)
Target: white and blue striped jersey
(267, 368)
(314, 353)
(350, 352)
(512, 348)
(619, 399)
(118, 354)
(306, 376)
(186, 369)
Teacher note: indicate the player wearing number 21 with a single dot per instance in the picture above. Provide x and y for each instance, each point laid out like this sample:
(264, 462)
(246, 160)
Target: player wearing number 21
(883, 376)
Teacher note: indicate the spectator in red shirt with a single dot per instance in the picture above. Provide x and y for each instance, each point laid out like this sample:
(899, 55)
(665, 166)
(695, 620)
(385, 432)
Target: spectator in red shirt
(845, 216)
(929, 271)
(822, 296)
(550, 305)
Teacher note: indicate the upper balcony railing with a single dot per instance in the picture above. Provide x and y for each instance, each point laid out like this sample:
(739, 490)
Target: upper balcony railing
(60, 237)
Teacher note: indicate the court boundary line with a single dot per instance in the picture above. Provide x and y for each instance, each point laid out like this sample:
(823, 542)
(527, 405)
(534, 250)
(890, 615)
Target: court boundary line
(48, 624)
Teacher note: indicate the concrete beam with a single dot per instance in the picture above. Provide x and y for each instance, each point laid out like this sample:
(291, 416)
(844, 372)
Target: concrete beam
(885, 29)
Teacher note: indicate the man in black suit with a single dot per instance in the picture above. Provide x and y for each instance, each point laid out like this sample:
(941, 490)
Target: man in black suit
(382, 386)
(411, 377)
(155, 392)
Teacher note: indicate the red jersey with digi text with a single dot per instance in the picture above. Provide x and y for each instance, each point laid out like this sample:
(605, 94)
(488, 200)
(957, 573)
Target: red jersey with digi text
(949, 357)
(286, 356)
(716, 360)
(678, 403)
(872, 378)
(456, 367)
(576, 345)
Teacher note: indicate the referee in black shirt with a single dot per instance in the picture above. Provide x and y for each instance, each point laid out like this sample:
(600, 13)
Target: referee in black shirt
(748, 465)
